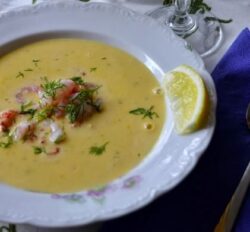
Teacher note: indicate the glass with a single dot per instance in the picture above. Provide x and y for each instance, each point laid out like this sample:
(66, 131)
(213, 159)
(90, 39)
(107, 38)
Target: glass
(201, 30)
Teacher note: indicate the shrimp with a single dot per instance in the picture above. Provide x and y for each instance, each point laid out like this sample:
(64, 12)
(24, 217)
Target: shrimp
(54, 152)
(7, 118)
(24, 130)
(26, 90)
(62, 95)
(57, 133)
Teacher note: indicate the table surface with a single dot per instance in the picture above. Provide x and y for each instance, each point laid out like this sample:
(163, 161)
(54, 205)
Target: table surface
(237, 10)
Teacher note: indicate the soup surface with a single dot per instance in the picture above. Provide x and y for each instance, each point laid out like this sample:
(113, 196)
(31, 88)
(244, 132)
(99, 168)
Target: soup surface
(98, 149)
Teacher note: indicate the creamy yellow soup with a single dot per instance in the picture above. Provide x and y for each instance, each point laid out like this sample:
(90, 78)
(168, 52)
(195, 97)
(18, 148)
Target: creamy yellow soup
(126, 85)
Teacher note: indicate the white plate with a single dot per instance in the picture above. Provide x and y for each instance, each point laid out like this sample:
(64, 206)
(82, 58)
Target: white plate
(172, 158)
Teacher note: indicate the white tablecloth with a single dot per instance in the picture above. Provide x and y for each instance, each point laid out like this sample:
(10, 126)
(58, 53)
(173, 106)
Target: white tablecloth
(239, 11)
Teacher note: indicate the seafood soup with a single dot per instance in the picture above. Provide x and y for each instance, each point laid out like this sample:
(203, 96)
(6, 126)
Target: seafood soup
(75, 114)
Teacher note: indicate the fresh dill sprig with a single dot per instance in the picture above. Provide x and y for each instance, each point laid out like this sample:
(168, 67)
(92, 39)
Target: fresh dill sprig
(98, 150)
(74, 111)
(145, 112)
(77, 80)
(201, 7)
(28, 70)
(43, 114)
(7, 143)
(24, 110)
(50, 87)
(38, 150)
(20, 74)
(218, 19)
(195, 6)
(10, 228)
(75, 108)
(35, 61)
(93, 69)
(86, 94)
(168, 2)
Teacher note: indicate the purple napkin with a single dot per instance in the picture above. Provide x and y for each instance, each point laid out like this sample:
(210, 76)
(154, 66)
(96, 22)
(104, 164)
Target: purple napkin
(197, 204)
(232, 75)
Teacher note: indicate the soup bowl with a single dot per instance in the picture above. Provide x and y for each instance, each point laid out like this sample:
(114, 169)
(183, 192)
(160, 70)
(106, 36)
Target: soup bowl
(172, 157)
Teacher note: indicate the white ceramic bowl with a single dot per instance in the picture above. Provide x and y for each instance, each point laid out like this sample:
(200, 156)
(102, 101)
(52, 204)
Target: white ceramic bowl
(172, 158)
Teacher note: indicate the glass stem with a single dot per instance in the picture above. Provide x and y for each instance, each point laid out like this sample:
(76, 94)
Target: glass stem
(181, 22)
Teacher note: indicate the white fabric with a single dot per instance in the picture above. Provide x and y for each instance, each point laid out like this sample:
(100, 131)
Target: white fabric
(238, 10)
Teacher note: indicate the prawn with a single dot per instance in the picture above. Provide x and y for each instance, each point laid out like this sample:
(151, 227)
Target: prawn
(24, 130)
(62, 95)
(26, 90)
(7, 118)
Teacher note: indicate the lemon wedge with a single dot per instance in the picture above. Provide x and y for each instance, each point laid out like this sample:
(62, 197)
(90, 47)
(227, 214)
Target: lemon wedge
(188, 98)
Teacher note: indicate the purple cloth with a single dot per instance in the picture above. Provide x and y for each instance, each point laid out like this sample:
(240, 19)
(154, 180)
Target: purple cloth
(197, 204)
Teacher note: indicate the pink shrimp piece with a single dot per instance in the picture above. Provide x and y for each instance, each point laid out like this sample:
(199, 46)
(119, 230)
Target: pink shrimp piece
(25, 90)
(24, 130)
(44, 101)
(7, 118)
(60, 111)
(63, 94)
(54, 152)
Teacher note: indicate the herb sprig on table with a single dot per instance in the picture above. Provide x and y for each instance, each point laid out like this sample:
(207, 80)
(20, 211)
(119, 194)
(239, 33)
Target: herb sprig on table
(10, 228)
(202, 7)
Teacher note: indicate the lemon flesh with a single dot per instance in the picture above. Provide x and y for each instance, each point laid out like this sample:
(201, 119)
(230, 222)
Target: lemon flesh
(188, 98)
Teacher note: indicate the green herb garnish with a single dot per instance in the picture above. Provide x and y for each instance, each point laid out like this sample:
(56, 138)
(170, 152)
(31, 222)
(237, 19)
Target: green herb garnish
(10, 228)
(30, 111)
(95, 150)
(86, 94)
(43, 114)
(35, 62)
(201, 7)
(38, 150)
(74, 111)
(78, 80)
(28, 70)
(75, 108)
(195, 6)
(50, 87)
(8, 143)
(20, 74)
(168, 2)
(145, 112)
(218, 19)
(93, 69)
